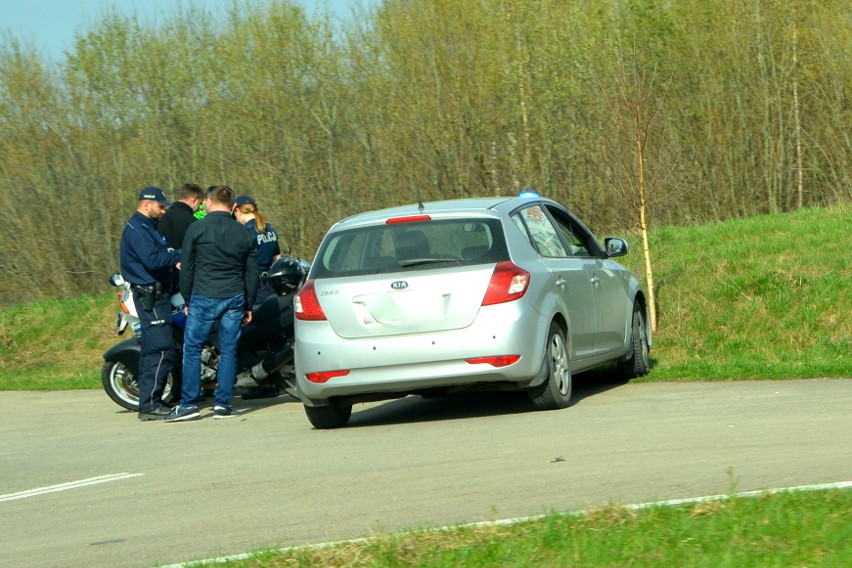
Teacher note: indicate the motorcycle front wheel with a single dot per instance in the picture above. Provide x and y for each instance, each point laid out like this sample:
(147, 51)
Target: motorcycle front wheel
(122, 386)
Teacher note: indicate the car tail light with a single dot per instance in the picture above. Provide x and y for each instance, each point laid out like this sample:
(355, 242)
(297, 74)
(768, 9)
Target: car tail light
(324, 376)
(306, 305)
(408, 219)
(508, 283)
(495, 361)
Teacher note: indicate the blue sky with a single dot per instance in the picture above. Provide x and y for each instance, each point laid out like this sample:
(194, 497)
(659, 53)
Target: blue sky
(50, 25)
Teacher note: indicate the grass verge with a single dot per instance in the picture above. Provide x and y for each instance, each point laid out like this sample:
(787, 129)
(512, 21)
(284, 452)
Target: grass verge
(56, 344)
(796, 528)
(764, 297)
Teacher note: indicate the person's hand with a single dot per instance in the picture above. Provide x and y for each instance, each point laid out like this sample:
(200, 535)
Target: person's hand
(246, 317)
(186, 310)
(177, 266)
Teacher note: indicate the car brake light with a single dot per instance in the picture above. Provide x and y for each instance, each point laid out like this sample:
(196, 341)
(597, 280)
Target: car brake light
(508, 283)
(323, 376)
(495, 361)
(408, 219)
(306, 305)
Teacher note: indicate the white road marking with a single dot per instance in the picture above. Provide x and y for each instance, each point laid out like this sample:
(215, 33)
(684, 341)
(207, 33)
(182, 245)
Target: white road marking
(676, 502)
(671, 503)
(69, 485)
(819, 487)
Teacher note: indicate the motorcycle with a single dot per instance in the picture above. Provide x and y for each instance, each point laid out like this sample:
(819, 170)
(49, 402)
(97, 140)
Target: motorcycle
(264, 350)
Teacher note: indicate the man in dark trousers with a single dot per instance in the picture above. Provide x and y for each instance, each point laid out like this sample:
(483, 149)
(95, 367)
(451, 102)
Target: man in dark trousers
(181, 214)
(219, 280)
(148, 264)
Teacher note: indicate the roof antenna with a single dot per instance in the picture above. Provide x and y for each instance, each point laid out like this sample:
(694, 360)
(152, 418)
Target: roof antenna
(419, 202)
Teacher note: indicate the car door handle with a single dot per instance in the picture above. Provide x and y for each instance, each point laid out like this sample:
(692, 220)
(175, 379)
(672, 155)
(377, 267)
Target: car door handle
(595, 280)
(560, 282)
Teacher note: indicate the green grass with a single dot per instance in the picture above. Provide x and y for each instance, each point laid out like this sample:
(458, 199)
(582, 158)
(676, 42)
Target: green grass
(800, 528)
(56, 344)
(766, 297)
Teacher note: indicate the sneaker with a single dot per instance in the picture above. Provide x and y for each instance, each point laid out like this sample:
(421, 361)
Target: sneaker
(224, 412)
(180, 413)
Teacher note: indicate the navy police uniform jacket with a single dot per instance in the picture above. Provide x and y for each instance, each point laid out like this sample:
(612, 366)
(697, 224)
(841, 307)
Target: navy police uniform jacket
(267, 245)
(144, 256)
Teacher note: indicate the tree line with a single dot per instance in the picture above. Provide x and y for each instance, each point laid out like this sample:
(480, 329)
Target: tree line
(739, 107)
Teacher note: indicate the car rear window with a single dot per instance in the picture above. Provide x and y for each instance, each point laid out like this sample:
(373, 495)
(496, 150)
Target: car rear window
(422, 245)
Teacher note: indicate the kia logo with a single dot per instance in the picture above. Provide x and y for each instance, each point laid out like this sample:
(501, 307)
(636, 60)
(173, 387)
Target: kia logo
(399, 285)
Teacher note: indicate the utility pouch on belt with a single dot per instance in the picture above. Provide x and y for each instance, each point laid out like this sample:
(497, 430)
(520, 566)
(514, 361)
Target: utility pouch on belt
(148, 299)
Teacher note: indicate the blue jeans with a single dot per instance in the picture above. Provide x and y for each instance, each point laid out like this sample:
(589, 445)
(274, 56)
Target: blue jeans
(203, 313)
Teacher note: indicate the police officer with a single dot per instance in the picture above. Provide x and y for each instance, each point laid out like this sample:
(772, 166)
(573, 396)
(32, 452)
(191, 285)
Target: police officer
(147, 263)
(268, 250)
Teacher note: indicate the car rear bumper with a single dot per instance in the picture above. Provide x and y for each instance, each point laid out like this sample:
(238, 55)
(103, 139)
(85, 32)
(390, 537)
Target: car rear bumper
(407, 363)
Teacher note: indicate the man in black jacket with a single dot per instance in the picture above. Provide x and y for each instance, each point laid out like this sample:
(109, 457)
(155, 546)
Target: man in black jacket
(219, 279)
(181, 214)
(178, 217)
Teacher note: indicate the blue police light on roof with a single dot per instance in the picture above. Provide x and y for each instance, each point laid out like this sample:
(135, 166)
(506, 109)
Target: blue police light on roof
(529, 192)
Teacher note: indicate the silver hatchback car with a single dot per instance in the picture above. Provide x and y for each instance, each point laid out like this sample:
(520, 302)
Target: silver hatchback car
(442, 297)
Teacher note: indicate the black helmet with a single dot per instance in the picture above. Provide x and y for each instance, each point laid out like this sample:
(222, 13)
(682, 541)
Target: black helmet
(287, 274)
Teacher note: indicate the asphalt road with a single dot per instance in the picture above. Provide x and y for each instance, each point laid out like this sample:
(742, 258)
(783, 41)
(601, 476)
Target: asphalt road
(266, 479)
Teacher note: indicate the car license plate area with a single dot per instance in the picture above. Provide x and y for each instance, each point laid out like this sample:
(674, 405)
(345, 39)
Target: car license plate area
(409, 308)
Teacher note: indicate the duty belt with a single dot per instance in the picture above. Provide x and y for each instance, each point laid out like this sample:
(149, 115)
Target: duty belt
(155, 289)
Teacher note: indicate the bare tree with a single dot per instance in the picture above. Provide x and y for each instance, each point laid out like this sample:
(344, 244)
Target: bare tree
(636, 100)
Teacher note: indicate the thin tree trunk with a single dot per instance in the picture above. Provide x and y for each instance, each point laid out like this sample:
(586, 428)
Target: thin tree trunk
(643, 226)
(798, 126)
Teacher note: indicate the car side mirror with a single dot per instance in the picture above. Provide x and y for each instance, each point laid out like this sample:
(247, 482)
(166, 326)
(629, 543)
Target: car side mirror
(615, 247)
(117, 280)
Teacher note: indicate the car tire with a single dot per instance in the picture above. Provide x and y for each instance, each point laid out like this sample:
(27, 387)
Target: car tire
(639, 362)
(327, 417)
(555, 392)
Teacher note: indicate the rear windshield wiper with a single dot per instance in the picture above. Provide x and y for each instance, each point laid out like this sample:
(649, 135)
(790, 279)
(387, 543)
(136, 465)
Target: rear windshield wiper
(422, 261)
